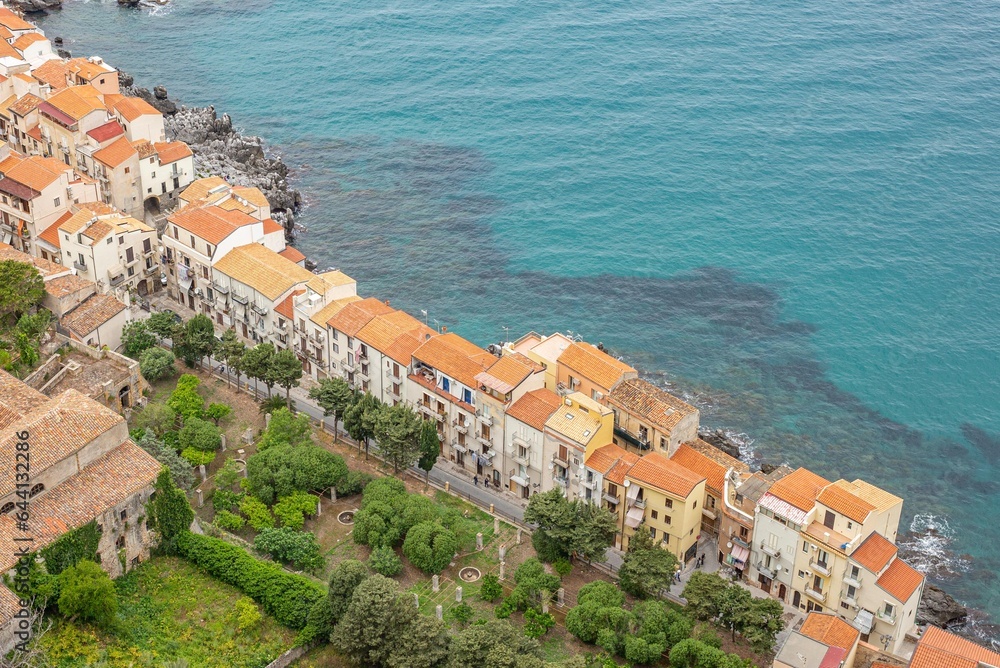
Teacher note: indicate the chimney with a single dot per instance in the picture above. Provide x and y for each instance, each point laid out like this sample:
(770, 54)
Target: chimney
(444, 330)
(826, 537)
(386, 302)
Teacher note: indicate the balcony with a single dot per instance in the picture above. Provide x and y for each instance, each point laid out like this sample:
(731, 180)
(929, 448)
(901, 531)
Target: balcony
(560, 462)
(259, 310)
(885, 617)
(639, 503)
(80, 266)
(488, 442)
(221, 289)
(116, 280)
(485, 419)
(561, 481)
(523, 461)
(589, 484)
(441, 417)
(773, 551)
(854, 582)
(240, 299)
(821, 567)
(517, 440)
(423, 408)
(816, 595)
(363, 374)
(765, 571)
(739, 541)
(348, 367)
(460, 427)
(850, 600)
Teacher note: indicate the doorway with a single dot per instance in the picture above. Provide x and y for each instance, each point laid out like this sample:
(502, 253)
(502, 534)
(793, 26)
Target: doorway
(123, 397)
(796, 599)
(765, 583)
(782, 592)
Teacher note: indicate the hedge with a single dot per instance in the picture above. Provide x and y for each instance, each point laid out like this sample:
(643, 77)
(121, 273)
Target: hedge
(285, 596)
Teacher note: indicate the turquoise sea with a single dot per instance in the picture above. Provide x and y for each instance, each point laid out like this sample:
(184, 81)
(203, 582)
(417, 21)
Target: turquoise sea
(787, 211)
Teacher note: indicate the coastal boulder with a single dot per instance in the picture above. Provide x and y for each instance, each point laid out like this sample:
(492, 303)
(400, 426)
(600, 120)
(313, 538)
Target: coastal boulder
(30, 6)
(719, 439)
(937, 607)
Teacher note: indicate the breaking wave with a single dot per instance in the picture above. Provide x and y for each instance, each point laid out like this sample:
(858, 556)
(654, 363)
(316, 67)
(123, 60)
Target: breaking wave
(927, 547)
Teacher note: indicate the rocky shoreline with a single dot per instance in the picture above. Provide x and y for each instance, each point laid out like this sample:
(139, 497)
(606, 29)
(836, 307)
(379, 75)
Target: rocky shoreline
(221, 150)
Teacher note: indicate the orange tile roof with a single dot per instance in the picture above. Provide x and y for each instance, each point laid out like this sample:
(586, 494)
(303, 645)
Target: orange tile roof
(613, 462)
(12, 21)
(290, 252)
(132, 108)
(68, 284)
(17, 399)
(36, 172)
(621, 468)
(650, 403)
(535, 408)
(456, 357)
(77, 101)
(144, 148)
(713, 472)
(252, 195)
(840, 500)
(830, 630)
(799, 488)
(86, 69)
(939, 649)
(92, 313)
(383, 331)
(109, 130)
(25, 104)
(270, 226)
(35, 133)
(5, 33)
(717, 455)
(262, 269)
(402, 349)
(172, 151)
(116, 153)
(900, 580)
(656, 470)
(322, 316)
(27, 39)
(356, 315)
(201, 187)
(878, 497)
(508, 372)
(51, 233)
(209, 222)
(286, 307)
(44, 267)
(52, 72)
(874, 552)
(594, 365)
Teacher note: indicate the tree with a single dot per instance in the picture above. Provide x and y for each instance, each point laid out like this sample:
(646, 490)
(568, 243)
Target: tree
(370, 629)
(181, 472)
(333, 395)
(494, 644)
(218, 412)
(200, 435)
(491, 589)
(289, 546)
(761, 623)
(256, 362)
(185, 400)
(594, 532)
(161, 324)
(731, 604)
(156, 363)
(33, 325)
(647, 568)
(160, 418)
(228, 475)
(21, 288)
(702, 592)
(430, 448)
(360, 419)
(86, 592)
(537, 624)
(398, 431)
(231, 350)
(384, 561)
(423, 643)
(291, 510)
(199, 337)
(284, 469)
(285, 370)
(136, 338)
(578, 526)
(170, 513)
(286, 428)
(346, 576)
(430, 547)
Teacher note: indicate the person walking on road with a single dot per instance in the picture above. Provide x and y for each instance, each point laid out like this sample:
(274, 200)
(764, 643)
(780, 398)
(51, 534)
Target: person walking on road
(475, 480)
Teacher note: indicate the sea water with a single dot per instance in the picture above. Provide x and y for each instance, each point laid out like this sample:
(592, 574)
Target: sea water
(785, 211)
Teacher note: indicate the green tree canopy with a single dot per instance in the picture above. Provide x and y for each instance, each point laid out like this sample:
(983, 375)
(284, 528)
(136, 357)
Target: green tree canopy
(181, 471)
(430, 547)
(231, 350)
(185, 400)
(495, 644)
(86, 592)
(217, 412)
(160, 418)
(286, 428)
(702, 593)
(360, 419)
(170, 514)
(161, 324)
(21, 289)
(285, 371)
(397, 429)
(200, 435)
(287, 545)
(156, 363)
(256, 363)
(373, 625)
(136, 338)
(647, 568)
(334, 396)
(430, 448)
(578, 527)
(346, 577)
(282, 470)
(199, 337)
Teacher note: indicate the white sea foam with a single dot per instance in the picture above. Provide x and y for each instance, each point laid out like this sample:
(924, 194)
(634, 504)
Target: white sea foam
(927, 546)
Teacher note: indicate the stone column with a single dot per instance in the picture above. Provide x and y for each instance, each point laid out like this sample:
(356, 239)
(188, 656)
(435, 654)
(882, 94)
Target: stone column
(519, 532)
(545, 601)
(333, 493)
(319, 506)
(203, 472)
(447, 486)
(491, 509)
(439, 611)
(479, 541)
(223, 437)
(416, 601)
(201, 498)
(496, 525)
(503, 552)
(458, 594)
(435, 584)
(561, 597)
(502, 564)
(267, 420)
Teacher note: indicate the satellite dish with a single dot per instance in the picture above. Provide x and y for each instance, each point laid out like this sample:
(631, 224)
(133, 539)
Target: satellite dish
(729, 545)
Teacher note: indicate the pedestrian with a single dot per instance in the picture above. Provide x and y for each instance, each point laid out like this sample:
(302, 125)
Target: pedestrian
(475, 480)
(486, 483)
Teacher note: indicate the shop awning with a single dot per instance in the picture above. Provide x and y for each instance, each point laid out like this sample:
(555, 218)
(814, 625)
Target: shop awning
(523, 482)
(634, 517)
(739, 554)
(863, 622)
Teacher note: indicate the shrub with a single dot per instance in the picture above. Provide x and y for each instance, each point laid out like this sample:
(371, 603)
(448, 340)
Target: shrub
(170, 514)
(217, 412)
(156, 363)
(87, 592)
(258, 516)
(227, 476)
(491, 589)
(298, 548)
(285, 596)
(353, 483)
(282, 470)
(385, 561)
(344, 579)
(462, 613)
(532, 580)
(430, 547)
(247, 614)
(197, 457)
(200, 434)
(228, 521)
(291, 510)
(185, 400)
(224, 499)
(547, 549)
(537, 624)
(562, 567)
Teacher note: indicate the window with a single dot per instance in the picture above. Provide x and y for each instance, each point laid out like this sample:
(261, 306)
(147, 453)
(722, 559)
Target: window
(829, 519)
(805, 548)
(336, 349)
(850, 524)
(652, 532)
(192, 241)
(890, 609)
(82, 261)
(124, 514)
(209, 248)
(129, 254)
(120, 542)
(572, 382)
(666, 519)
(613, 490)
(855, 573)
(668, 503)
(175, 232)
(127, 170)
(654, 514)
(7, 507)
(56, 201)
(695, 503)
(131, 271)
(643, 434)
(146, 246)
(663, 443)
(149, 191)
(744, 533)
(802, 574)
(852, 591)
(153, 174)
(110, 239)
(163, 188)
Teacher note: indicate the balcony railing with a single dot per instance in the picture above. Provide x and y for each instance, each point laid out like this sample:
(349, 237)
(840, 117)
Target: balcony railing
(426, 410)
(80, 266)
(854, 582)
(816, 594)
(765, 571)
(462, 428)
(523, 461)
(441, 417)
(561, 481)
(639, 503)
(589, 484)
(773, 551)
(486, 420)
(488, 442)
(348, 366)
(821, 567)
(559, 461)
(885, 617)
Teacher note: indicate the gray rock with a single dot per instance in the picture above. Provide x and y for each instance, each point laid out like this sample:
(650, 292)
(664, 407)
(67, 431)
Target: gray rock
(718, 438)
(63, 53)
(937, 607)
(128, 3)
(30, 6)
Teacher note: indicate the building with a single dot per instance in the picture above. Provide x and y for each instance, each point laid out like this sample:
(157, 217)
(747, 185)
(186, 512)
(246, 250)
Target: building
(572, 433)
(349, 357)
(140, 119)
(390, 340)
(650, 418)
(84, 468)
(823, 641)
(309, 337)
(105, 376)
(98, 321)
(587, 369)
(165, 169)
(66, 292)
(666, 498)
(606, 469)
(523, 438)
(95, 72)
(65, 119)
(740, 497)
(442, 385)
(780, 516)
(880, 594)
(718, 468)
(939, 649)
(544, 350)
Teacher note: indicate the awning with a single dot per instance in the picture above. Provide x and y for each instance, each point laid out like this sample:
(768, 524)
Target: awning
(740, 554)
(863, 622)
(460, 448)
(7, 236)
(634, 517)
(185, 283)
(611, 498)
(633, 493)
(523, 482)
(708, 513)
(116, 270)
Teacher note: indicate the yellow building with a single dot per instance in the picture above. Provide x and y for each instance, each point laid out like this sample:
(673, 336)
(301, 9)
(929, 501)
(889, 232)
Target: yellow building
(667, 498)
(578, 427)
(650, 418)
(716, 466)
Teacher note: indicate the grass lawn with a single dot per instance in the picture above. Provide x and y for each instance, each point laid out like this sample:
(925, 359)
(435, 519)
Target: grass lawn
(168, 609)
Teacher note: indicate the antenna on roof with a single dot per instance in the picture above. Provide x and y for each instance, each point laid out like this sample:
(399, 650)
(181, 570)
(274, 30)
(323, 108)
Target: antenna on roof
(506, 334)
(423, 312)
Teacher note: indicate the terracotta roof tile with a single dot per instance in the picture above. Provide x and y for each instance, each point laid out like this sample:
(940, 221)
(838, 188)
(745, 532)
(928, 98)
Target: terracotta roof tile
(649, 403)
(900, 580)
(382, 332)
(12, 21)
(270, 227)
(262, 269)
(86, 69)
(874, 553)
(656, 470)
(535, 408)
(92, 313)
(7, 51)
(613, 462)
(696, 462)
(939, 649)
(17, 399)
(402, 349)
(77, 101)
(25, 104)
(799, 488)
(252, 195)
(116, 153)
(508, 372)
(290, 252)
(878, 497)
(593, 364)
(172, 151)
(209, 222)
(68, 284)
(286, 307)
(52, 72)
(27, 39)
(717, 455)
(829, 630)
(580, 422)
(322, 316)
(132, 108)
(321, 284)
(842, 501)
(201, 187)
(455, 357)
(44, 267)
(356, 315)
(37, 172)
